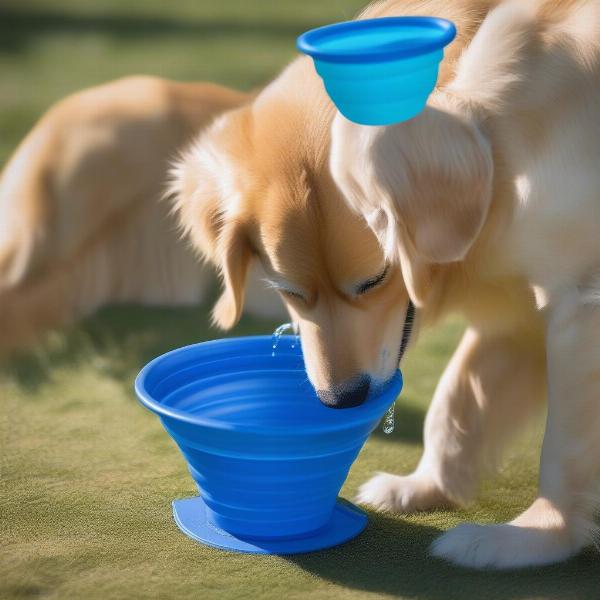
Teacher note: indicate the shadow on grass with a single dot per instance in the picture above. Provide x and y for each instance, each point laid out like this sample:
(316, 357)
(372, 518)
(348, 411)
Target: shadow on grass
(391, 557)
(20, 27)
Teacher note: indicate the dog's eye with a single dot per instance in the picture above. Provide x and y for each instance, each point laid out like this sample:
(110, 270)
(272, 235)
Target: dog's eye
(369, 284)
(291, 294)
(283, 289)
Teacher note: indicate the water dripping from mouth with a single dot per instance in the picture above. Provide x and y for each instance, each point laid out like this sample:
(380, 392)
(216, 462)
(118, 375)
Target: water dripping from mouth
(388, 420)
(278, 333)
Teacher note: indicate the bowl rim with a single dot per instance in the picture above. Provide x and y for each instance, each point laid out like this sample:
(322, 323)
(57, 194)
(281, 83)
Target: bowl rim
(354, 416)
(308, 42)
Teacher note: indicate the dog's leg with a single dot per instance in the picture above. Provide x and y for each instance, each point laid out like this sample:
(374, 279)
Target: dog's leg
(490, 385)
(560, 521)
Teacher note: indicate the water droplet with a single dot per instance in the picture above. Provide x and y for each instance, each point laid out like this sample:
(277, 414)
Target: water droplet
(296, 340)
(278, 333)
(388, 420)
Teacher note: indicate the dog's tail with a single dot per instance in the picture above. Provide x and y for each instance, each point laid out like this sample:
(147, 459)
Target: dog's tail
(25, 204)
(42, 284)
(24, 194)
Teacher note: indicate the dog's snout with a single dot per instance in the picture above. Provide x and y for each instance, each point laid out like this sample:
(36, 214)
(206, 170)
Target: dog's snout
(349, 394)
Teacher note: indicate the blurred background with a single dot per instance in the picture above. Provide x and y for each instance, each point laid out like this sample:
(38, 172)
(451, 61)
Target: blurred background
(50, 48)
(87, 474)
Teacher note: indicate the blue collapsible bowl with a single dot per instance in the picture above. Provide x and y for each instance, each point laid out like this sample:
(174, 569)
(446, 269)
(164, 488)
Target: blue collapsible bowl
(268, 458)
(379, 71)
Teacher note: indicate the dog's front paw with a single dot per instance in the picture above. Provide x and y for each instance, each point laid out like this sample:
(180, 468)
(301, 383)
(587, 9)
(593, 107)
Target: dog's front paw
(503, 546)
(401, 494)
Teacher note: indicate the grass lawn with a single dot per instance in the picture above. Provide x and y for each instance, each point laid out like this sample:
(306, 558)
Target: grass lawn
(88, 475)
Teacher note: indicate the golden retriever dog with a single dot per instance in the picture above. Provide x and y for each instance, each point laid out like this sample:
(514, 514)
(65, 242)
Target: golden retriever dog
(82, 223)
(487, 203)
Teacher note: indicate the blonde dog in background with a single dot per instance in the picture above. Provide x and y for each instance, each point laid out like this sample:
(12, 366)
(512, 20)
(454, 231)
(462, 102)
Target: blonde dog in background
(487, 203)
(82, 217)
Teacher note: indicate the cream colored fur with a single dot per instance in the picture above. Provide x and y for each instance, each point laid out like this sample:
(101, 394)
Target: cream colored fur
(524, 106)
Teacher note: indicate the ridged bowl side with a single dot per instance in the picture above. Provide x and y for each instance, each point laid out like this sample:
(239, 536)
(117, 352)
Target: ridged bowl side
(268, 458)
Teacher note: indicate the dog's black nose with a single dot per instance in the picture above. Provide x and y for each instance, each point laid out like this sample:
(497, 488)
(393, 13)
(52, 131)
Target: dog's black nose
(349, 394)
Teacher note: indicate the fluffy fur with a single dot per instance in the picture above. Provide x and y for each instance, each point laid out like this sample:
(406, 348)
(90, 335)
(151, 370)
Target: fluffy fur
(493, 194)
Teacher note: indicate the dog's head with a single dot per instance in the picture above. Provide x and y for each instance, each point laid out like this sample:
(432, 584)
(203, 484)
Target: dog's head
(258, 186)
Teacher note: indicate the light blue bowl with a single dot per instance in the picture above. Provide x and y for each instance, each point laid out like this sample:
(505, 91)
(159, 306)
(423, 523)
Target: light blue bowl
(379, 71)
(268, 458)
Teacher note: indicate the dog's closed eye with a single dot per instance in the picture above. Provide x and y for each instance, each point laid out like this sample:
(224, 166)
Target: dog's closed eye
(284, 288)
(371, 283)
(291, 293)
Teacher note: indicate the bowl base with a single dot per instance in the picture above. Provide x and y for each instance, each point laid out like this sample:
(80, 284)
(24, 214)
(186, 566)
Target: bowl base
(347, 522)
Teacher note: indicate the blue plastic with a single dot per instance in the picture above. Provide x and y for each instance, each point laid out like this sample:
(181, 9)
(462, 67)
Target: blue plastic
(346, 522)
(268, 457)
(379, 71)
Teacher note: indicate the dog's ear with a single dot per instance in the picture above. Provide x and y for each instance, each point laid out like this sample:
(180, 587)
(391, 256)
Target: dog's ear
(234, 255)
(207, 197)
(424, 185)
(436, 172)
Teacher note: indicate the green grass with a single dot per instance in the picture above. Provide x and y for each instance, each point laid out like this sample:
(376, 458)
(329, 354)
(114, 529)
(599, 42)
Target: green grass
(88, 475)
